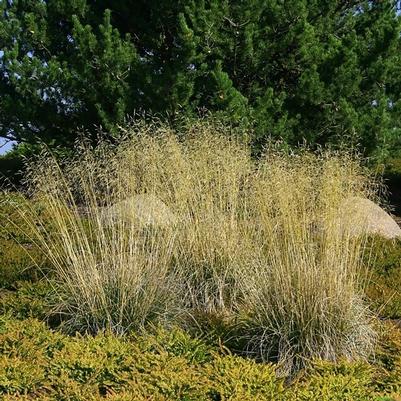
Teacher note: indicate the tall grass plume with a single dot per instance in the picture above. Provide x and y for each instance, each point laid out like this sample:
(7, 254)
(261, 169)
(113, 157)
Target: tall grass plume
(177, 228)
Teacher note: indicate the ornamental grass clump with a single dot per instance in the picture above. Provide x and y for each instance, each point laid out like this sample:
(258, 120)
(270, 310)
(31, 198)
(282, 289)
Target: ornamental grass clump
(303, 287)
(183, 229)
(112, 274)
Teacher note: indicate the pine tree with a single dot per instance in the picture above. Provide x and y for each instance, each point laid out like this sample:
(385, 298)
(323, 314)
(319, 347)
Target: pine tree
(315, 71)
(58, 72)
(324, 72)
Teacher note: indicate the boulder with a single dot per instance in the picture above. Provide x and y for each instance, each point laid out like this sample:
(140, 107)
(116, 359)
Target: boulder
(361, 216)
(144, 209)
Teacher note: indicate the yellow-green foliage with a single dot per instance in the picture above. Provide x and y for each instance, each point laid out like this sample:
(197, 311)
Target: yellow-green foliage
(388, 359)
(20, 258)
(340, 382)
(252, 245)
(39, 364)
(232, 377)
(28, 299)
(79, 367)
(15, 264)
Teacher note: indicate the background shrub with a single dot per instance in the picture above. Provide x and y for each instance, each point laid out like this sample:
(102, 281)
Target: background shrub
(384, 258)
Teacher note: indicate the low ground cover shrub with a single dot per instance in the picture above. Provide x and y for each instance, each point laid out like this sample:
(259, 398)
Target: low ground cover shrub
(30, 299)
(388, 360)
(37, 363)
(254, 247)
(384, 288)
(20, 258)
(15, 265)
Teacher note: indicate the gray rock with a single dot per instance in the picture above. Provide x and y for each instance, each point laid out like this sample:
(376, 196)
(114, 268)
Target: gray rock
(360, 216)
(144, 209)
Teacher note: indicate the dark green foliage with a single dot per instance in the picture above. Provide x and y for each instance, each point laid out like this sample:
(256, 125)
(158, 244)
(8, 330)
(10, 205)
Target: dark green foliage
(388, 360)
(384, 259)
(320, 71)
(13, 164)
(10, 166)
(392, 176)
